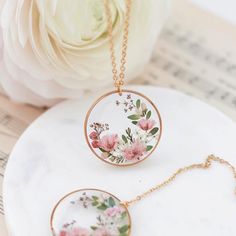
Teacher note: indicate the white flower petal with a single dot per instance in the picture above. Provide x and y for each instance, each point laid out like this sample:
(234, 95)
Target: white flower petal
(47, 89)
(59, 48)
(23, 57)
(1, 44)
(20, 93)
(53, 6)
(7, 13)
(1, 7)
(22, 15)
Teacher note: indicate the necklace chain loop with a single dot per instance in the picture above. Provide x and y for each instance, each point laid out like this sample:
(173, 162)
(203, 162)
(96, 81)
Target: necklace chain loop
(205, 165)
(118, 77)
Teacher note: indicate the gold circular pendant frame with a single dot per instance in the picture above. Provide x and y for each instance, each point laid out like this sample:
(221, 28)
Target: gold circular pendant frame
(141, 97)
(112, 208)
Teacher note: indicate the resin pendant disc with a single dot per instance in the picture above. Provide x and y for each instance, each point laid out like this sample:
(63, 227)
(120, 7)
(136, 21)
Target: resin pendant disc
(90, 212)
(123, 129)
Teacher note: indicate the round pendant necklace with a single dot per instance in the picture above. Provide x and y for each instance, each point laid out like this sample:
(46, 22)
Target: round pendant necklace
(94, 212)
(122, 127)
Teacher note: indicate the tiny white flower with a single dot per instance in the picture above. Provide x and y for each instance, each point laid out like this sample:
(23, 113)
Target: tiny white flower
(143, 107)
(138, 111)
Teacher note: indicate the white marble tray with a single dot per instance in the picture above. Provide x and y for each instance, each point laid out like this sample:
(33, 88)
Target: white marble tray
(52, 158)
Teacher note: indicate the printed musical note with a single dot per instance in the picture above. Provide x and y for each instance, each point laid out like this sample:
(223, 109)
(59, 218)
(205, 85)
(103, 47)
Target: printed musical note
(188, 58)
(3, 159)
(12, 123)
(198, 50)
(1, 206)
(188, 77)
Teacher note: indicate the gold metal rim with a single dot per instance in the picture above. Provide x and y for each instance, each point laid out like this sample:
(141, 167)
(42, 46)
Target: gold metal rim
(81, 190)
(106, 95)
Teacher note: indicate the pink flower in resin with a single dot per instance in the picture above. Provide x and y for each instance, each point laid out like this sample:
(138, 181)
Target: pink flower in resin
(101, 232)
(93, 135)
(145, 124)
(135, 151)
(95, 144)
(108, 142)
(113, 211)
(77, 231)
(63, 233)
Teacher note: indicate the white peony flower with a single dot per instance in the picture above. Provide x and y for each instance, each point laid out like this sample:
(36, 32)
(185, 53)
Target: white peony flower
(56, 49)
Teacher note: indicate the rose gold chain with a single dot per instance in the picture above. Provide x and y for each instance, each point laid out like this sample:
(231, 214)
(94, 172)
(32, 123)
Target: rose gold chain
(205, 165)
(118, 78)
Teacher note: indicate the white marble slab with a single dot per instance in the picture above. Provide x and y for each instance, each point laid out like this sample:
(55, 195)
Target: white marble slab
(52, 158)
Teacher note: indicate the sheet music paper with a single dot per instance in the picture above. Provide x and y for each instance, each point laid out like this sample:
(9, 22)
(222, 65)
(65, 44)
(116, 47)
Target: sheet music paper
(196, 53)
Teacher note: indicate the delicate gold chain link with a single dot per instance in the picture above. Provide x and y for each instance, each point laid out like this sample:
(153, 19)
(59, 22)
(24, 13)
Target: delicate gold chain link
(204, 165)
(118, 78)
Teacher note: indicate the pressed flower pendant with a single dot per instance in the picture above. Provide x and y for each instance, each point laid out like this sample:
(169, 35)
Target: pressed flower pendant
(123, 129)
(90, 212)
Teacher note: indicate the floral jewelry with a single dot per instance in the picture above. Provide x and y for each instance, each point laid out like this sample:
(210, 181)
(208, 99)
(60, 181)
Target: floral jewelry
(94, 212)
(131, 136)
(122, 127)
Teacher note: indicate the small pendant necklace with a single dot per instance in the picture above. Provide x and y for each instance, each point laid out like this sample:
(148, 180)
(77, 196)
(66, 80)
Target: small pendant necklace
(94, 212)
(122, 127)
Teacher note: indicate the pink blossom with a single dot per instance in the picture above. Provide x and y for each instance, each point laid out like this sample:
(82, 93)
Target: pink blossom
(63, 233)
(113, 211)
(108, 142)
(93, 135)
(77, 231)
(145, 124)
(101, 232)
(135, 151)
(95, 144)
